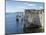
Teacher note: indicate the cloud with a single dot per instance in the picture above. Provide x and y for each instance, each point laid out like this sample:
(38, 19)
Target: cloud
(30, 4)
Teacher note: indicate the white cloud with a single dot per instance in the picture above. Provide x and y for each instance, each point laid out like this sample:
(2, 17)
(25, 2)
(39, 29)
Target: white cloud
(30, 4)
(40, 7)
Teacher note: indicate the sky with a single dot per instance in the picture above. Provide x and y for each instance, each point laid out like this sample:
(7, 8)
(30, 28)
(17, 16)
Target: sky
(13, 6)
(28, 0)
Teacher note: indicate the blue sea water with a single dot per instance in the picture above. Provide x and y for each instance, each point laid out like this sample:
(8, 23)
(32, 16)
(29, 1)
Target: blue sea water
(11, 26)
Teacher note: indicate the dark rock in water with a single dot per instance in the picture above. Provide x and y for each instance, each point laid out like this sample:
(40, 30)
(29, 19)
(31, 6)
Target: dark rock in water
(17, 20)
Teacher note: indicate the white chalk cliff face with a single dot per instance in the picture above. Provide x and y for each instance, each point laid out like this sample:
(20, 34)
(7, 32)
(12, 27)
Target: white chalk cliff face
(35, 17)
(42, 19)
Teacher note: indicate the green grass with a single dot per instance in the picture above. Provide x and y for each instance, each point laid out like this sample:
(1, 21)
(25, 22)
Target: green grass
(41, 29)
(31, 30)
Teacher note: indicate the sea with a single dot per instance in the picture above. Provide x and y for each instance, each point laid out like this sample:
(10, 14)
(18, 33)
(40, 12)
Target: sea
(11, 26)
